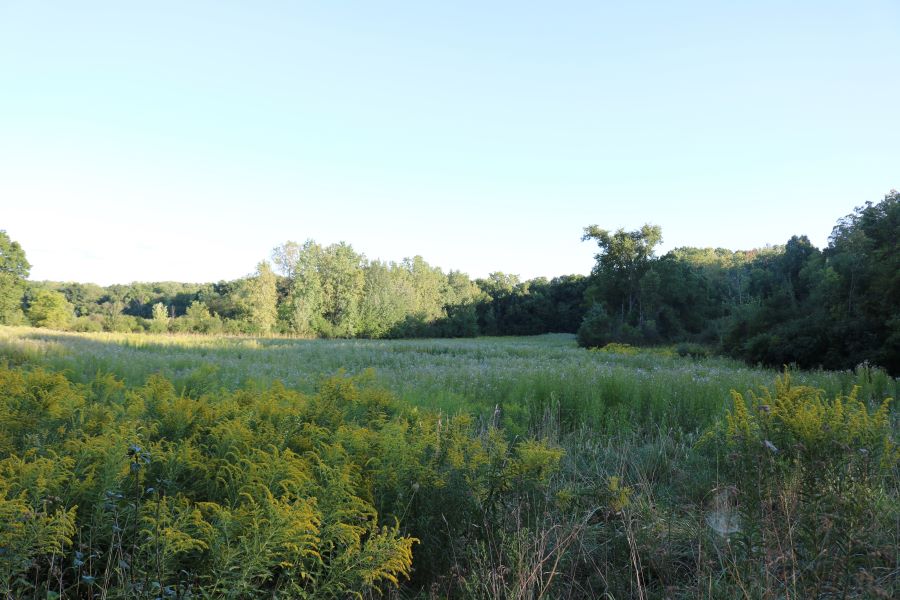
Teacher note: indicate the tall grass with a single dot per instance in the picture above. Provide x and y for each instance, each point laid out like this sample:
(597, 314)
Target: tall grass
(523, 378)
(527, 468)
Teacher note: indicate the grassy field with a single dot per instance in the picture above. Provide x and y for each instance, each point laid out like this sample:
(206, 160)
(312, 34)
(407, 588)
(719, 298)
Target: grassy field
(524, 376)
(489, 468)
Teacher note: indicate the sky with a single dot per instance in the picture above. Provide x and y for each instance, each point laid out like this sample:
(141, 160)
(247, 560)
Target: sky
(162, 141)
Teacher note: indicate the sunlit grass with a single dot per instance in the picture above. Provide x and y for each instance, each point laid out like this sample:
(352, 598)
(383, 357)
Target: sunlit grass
(526, 378)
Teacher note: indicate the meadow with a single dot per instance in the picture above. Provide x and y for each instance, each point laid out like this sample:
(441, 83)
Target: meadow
(524, 376)
(145, 466)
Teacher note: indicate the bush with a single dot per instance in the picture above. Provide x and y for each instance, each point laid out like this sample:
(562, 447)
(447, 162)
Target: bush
(692, 350)
(198, 319)
(256, 493)
(88, 324)
(815, 481)
(596, 328)
(124, 324)
(616, 348)
(50, 309)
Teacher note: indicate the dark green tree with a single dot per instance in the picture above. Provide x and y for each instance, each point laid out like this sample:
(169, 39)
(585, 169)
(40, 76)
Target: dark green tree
(864, 252)
(623, 259)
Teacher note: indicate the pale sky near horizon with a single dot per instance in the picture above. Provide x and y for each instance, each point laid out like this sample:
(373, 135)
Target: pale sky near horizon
(184, 140)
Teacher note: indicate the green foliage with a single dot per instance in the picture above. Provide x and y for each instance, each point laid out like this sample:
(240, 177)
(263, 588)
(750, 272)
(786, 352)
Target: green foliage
(835, 308)
(525, 467)
(50, 309)
(334, 292)
(160, 322)
(616, 348)
(821, 434)
(197, 319)
(301, 309)
(692, 350)
(864, 251)
(266, 492)
(791, 304)
(257, 300)
(816, 486)
(14, 270)
(92, 324)
(597, 328)
(342, 282)
(623, 260)
(507, 306)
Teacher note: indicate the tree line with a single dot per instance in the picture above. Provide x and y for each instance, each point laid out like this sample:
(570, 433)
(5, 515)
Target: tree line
(306, 290)
(835, 307)
(793, 304)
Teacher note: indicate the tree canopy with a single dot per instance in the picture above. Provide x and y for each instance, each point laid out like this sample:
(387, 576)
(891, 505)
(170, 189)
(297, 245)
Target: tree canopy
(50, 309)
(14, 269)
(795, 303)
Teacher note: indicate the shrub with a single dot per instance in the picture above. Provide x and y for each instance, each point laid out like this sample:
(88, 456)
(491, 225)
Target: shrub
(616, 348)
(692, 350)
(596, 328)
(50, 309)
(259, 492)
(88, 324)
(814, 479)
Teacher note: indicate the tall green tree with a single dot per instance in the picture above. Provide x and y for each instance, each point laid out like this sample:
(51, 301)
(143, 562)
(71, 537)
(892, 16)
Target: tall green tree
(461, 306)
(624, 257)
(14, 269)
(496, 289)
(287, 256)
(342, 276)
(834, 309)
(430, 287)
(258, 300)
(387, 299)
(864, 252)
(301, 310)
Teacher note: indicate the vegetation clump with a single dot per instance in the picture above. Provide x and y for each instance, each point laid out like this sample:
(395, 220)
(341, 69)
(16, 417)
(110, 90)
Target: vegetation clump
(816, 482)
(109, 489)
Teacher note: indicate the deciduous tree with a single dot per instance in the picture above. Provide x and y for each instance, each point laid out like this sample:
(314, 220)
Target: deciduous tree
(623, 259)
(14, 269)
(258, 300)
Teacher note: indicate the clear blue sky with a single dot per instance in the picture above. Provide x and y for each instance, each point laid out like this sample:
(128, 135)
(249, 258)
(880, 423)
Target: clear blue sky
(183, 140)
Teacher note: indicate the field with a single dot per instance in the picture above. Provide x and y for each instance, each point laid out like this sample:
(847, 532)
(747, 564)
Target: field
(526, 376)
(193, 467)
